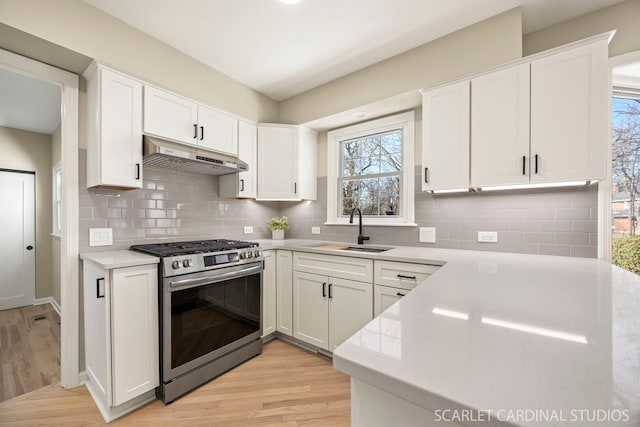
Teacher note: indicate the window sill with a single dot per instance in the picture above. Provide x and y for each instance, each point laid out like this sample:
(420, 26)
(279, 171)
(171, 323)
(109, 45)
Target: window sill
(56, 236)
(368, 224)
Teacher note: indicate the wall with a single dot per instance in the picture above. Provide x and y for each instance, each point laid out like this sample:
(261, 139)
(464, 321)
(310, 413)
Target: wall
(79, 27)
(485, 44)
(173, 205)
(56, 147)
(32, 152)
(623, 17)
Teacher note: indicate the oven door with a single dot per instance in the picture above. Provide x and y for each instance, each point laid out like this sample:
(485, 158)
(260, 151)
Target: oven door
(209, 314)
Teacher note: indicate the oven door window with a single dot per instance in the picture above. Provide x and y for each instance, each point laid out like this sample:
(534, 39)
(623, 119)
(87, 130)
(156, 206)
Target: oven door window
(207, 318)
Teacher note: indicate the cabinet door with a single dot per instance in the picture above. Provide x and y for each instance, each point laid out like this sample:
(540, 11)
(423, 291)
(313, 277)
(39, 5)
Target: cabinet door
(97, 339)
(269, 294)
(134, 329)
(217, 131)
(248, 152)
(350, 308)
(568, 114)
(170, 116)
(284, 292)
(445, 137)
(385, 296)
(310, 309)
(114, 152)
(277, 162)
(500, 127)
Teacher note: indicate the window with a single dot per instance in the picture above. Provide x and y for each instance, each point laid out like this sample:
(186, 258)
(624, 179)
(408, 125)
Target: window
(57, 199)
(370, 166)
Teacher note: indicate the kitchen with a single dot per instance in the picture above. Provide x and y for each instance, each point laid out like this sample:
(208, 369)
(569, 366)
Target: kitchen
(502, 39)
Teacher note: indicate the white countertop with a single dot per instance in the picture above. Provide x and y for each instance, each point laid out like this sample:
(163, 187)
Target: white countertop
(558, 336)
(119, 259)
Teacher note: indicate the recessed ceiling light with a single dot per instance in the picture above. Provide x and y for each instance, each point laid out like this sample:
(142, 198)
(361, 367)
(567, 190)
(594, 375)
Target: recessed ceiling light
(290, 1)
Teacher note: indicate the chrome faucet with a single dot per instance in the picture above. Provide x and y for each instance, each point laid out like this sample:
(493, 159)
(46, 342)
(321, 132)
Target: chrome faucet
(361, 238)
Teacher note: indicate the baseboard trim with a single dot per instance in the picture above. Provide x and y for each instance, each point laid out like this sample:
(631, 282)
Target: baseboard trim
(49, 300)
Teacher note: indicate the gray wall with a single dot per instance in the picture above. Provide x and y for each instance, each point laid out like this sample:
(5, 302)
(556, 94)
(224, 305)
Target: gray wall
(172, 206)
(558, 222)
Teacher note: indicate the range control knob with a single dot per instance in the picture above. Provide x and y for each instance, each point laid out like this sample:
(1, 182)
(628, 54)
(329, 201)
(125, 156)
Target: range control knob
(249, 254)
(242, 255)
(186, 263)
(175, 265)
(256, 254)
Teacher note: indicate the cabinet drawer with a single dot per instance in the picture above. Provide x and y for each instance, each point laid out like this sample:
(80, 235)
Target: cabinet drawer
(385, 296)
(335, 266)
(401, 274)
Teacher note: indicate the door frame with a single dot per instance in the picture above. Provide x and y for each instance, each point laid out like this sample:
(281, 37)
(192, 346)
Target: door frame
(69, 260)
(604, 187)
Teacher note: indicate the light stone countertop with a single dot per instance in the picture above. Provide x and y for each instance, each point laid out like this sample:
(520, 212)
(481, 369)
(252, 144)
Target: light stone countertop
(118, 259)
(558, 336)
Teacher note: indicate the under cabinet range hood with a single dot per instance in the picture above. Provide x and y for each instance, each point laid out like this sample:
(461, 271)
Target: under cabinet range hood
(169, 155)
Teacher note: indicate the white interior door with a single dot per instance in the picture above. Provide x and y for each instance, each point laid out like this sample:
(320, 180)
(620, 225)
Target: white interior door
(17, 250)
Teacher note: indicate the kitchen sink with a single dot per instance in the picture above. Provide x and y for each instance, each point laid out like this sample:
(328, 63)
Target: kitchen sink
(338, 247)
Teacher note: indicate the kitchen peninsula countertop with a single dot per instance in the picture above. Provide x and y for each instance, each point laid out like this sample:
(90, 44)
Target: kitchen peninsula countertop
(119, 258)
(556, 336)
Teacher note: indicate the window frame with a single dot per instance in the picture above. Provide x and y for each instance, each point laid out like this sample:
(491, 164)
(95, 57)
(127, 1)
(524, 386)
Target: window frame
(405, 122)
(56, 200)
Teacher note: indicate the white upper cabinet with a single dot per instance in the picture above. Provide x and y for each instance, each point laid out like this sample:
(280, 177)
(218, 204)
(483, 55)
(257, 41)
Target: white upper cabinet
(445, 137)
(287, 162)
(243, 184)
(114, 129)
(568, 114)
(500, 127)
(182, 120)
(218, 131)
(169, 116)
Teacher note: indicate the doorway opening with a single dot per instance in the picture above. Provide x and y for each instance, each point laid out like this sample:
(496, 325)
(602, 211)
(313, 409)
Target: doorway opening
(67, 272)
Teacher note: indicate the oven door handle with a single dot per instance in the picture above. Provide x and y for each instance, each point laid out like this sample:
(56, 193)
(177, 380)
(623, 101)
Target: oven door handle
(189, 283)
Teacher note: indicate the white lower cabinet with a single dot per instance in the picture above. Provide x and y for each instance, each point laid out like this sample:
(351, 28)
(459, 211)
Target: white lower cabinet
(121, 336)
(284, 292)
(269, 294)
(393, 280)
(327, 310)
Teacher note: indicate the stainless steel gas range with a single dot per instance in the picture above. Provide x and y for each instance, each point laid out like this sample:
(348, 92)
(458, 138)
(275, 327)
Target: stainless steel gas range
(210, 310)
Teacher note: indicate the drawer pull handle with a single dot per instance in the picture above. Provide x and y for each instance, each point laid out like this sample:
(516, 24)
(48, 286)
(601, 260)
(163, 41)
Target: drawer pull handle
(400, 294)
(195, 131)
(402, 276)
(324, 290)
(100, 287)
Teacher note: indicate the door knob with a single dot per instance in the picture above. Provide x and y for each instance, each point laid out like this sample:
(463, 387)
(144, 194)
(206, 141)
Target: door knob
(29, 247)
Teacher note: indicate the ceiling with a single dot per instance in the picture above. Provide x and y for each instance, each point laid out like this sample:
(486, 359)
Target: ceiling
(29, 104)
(283, 50)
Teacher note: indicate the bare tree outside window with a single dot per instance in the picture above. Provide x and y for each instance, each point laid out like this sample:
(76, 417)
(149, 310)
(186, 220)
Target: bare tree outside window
(626, 165)
(371, 170)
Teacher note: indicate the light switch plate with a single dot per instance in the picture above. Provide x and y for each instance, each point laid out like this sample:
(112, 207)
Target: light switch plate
(427, 234)
(248, 229)
(100, 237)
(488, 236)
(315, 230)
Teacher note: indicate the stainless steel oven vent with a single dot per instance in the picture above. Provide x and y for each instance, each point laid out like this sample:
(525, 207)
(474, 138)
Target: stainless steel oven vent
(165, 154)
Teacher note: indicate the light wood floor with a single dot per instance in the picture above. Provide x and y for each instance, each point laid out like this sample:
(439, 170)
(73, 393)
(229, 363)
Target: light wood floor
(284, 386)
(29, 349)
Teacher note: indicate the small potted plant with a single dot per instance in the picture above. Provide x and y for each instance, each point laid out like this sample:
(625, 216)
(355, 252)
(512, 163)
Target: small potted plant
(277, 226)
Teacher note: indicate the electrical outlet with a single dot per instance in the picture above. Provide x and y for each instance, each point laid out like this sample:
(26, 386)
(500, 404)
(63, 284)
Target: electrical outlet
(248, 229)
(100, 237)
(488, 236)
(427, 234)
(315, 230)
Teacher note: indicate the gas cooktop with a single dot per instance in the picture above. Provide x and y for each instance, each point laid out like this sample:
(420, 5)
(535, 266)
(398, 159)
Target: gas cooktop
(194, 247)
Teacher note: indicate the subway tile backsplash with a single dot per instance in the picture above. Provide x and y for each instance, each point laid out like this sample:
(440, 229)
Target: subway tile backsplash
(549, 222)
(172, 205)
(176, 205)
